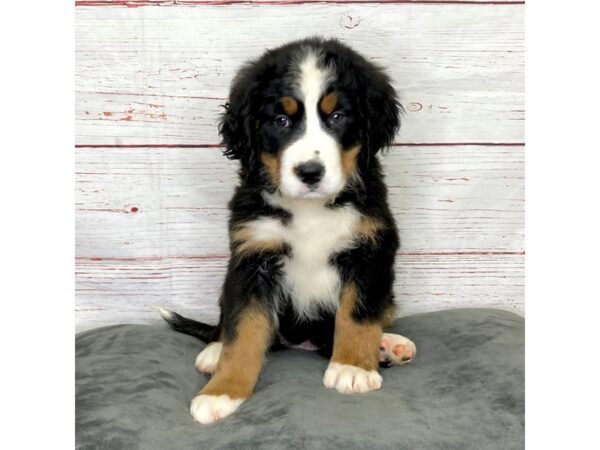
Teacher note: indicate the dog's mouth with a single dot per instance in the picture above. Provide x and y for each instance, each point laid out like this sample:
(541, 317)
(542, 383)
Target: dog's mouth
(312, 192)
(324, 189)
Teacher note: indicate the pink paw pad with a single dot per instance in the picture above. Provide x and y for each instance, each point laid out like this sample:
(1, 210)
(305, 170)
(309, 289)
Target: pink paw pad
(395, 350)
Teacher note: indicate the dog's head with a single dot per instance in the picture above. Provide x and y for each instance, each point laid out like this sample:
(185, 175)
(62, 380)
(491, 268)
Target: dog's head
(308, 117)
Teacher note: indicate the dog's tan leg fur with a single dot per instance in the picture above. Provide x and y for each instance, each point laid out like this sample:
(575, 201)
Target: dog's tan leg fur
(355, 359)
(238, 369)
(242, 358)
(355, 343)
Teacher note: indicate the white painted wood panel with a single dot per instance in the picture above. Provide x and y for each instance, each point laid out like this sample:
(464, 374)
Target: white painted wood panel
(151, 215)
(156, 75)
(124, 290)
(141, 3)
(445, 199)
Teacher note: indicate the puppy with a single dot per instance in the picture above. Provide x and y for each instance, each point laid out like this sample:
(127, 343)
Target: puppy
(312, 238)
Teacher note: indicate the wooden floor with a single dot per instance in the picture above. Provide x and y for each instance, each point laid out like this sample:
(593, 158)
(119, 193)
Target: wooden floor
(152, 184)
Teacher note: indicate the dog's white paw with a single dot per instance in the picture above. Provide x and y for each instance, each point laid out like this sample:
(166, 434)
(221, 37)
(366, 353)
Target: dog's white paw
(207, 359)
(207, 409)
(396, 350)
(349, 379)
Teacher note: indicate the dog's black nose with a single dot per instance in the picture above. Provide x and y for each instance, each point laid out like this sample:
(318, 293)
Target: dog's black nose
(310, 172)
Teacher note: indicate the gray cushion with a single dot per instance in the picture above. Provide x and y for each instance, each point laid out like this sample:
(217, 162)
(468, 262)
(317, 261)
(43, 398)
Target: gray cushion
(464, 390)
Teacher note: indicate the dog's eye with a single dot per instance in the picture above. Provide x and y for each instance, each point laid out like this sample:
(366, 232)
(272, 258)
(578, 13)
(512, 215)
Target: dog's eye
(283, 121)
(336, 118)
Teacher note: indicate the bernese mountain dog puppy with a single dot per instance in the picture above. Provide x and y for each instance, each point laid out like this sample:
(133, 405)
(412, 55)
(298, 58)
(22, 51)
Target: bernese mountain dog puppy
(312, 238)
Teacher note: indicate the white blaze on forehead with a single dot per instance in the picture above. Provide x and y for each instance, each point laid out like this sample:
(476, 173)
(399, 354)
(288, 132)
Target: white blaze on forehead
(315, 143)
(313, 81)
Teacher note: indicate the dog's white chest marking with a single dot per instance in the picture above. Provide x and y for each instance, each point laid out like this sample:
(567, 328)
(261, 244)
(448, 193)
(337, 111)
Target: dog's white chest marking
(313, 234)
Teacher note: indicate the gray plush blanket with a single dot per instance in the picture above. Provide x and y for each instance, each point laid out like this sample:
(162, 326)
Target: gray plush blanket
(464, 390)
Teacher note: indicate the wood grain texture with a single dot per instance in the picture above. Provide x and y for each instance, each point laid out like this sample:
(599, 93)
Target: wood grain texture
(140, 3)
(152, 185)
(124, 290)
(460, 199)
(151, 228)
(159, 75)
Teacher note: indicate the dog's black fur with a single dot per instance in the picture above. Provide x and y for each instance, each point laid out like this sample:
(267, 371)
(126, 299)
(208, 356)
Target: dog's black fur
(371, 118)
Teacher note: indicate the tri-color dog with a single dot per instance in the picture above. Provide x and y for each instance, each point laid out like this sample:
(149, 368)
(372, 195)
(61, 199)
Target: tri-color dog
(312, 238)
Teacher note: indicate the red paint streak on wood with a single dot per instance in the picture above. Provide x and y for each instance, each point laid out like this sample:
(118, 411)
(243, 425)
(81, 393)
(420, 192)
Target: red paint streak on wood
(161, 95)
(219, 257)
(149, 278)
(120, 3)
(460, 253)
(404, 144)
(459, 144)
(148, 146)
(152, 113)
(139, 3)
(115, 210)
(148, 258)
(120, 269)
(192, 208)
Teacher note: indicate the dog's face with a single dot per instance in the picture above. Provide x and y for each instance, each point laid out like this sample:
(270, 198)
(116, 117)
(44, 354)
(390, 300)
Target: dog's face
(306, 118)
(308, 140)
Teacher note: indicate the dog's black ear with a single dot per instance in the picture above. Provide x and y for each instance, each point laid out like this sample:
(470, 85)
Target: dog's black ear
(382, 112)
(238, 126)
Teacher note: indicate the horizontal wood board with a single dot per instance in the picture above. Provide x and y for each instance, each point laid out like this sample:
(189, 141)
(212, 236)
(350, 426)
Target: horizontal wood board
(160, 75)
(173, 202)
(125, 290)
(142, 3)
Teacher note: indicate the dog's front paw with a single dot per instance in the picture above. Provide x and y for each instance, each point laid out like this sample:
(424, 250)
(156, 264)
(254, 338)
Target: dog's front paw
(396, 350)
(207, 359)
(349, 379)
(207, 409)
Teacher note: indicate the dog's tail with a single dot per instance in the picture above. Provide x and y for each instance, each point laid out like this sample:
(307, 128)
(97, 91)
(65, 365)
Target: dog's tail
(203, 331)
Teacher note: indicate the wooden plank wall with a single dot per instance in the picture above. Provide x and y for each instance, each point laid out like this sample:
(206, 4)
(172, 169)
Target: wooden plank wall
(152, 185)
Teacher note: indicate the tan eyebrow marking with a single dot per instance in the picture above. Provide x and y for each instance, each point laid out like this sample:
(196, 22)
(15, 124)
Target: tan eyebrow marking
(290, 106)
(328, 103)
